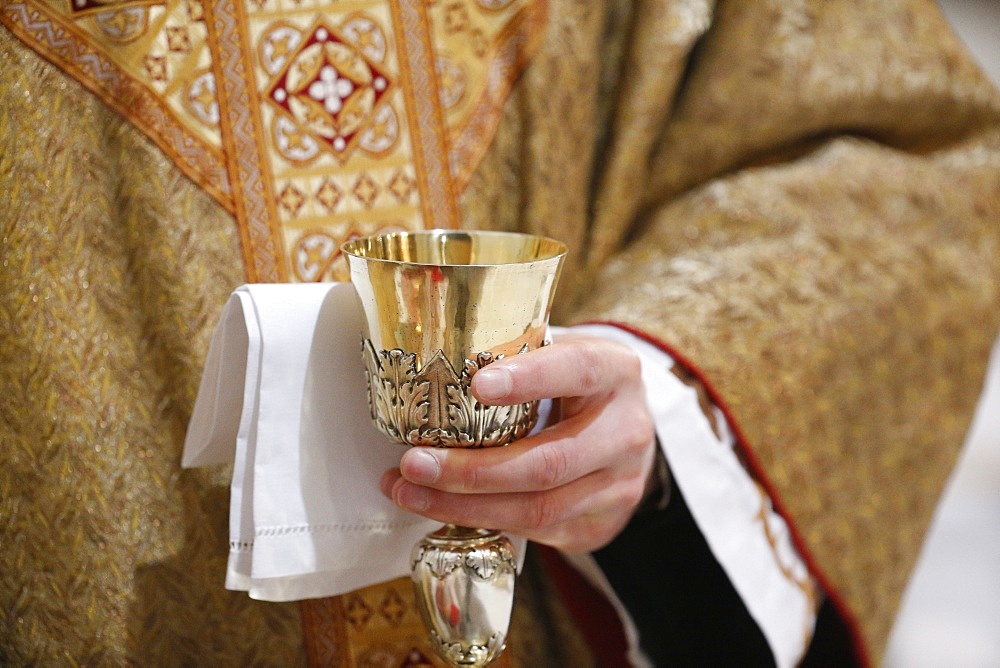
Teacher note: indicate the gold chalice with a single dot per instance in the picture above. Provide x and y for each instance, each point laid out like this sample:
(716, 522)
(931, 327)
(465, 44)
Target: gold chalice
(439, 306)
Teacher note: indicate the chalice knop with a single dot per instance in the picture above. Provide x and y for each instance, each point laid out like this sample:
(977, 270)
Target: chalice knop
(439, 306)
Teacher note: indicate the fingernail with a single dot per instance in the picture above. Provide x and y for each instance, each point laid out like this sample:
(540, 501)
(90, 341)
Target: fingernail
(493, 383)
(411, 497)
(420, 466)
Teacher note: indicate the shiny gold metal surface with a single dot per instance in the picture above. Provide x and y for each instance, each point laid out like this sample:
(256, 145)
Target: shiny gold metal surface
(439, 306)
(464, 584)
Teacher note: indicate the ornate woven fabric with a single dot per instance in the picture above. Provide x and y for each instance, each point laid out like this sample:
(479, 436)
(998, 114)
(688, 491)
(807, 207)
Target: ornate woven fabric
(311, 125)
(799, 198)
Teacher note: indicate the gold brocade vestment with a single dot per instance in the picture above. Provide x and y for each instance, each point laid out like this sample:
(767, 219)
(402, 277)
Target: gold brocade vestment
(799, 199)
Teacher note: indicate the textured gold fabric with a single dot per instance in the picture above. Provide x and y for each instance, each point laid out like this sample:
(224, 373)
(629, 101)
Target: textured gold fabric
(802, 198)
(113, 271)
(819, 236)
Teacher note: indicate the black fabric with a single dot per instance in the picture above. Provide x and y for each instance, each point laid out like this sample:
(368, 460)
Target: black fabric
(832, 645)
(684, 606)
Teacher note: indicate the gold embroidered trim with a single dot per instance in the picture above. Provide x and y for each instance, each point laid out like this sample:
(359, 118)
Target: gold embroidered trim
(42, 28)
(440, 205)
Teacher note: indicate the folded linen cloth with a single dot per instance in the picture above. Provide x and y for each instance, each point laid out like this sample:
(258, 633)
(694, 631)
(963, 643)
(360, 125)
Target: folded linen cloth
(283, 397)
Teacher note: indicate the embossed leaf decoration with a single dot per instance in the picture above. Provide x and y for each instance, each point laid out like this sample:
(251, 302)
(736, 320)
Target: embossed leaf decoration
(483, 562)
(442, 563)
(397, 397)
(434, 406)
(379, 402)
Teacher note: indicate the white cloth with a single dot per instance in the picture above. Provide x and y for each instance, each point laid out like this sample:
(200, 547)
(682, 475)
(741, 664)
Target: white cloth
(283, 397)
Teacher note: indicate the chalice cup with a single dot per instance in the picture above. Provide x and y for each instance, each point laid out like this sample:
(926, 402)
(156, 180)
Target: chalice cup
(439, 306)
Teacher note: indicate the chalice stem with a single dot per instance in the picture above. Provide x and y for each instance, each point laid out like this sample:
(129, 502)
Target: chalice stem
(464, 583)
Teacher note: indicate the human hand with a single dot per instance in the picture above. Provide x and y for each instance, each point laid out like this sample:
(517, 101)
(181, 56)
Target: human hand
(575, 484)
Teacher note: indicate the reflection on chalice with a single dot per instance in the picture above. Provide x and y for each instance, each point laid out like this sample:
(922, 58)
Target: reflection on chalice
(439, 306)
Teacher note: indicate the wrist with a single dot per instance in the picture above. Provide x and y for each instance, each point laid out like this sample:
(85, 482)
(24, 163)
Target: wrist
(658, 483)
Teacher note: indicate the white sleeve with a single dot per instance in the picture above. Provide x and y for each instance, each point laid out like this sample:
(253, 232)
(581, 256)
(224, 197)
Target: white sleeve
(734, 513)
